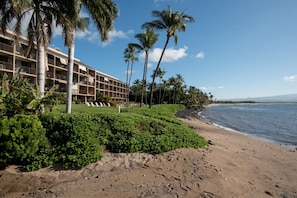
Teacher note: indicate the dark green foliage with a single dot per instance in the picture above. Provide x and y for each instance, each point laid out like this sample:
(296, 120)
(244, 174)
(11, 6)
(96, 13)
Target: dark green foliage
(21, 138)
(76, 140)
(73, 138)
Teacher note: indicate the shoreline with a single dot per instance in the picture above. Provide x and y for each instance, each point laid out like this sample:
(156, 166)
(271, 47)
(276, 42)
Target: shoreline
(254, 136)
(233, 165)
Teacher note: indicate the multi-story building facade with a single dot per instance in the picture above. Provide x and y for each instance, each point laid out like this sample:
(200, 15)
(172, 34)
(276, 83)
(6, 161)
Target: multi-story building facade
(86, 80)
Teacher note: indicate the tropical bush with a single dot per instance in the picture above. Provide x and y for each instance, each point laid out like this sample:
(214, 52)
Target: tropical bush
(18, 96)
(78, 139)
(22, 137)
(73, 139)
(152, 130)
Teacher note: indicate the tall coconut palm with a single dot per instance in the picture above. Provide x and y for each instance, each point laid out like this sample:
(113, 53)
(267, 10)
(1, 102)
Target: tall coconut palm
(129, 55)
(133, 59)
(127, 60)
(41, 15)
(102, 12)
(146, 41)
(171, 22)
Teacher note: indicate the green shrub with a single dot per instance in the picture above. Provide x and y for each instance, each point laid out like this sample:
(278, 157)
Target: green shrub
(22, 138)
(73, 138)
(153, 130)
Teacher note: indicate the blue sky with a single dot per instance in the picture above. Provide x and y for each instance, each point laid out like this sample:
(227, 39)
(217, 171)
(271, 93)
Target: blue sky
(235, 49)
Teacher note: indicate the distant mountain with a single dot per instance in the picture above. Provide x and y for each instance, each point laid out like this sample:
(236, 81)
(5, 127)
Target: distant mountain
(280, 98)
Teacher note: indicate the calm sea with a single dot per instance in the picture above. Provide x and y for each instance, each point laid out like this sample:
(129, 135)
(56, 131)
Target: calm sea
(276, 123)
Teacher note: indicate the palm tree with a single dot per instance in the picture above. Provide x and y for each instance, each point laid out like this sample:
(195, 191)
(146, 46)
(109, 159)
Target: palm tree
(146, 41)
(103, 14)
(136, 89)
(160, 74)
(171, 22)
(42, 14)
(179, 87)
(127, 60)
(165, 87)
(133, 60)
(129, 55)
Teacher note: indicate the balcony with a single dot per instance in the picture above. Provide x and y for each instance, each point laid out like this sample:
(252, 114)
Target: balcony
(5, 47)
(50, 75)
(5, 65)
(61, 77)
(27, 70)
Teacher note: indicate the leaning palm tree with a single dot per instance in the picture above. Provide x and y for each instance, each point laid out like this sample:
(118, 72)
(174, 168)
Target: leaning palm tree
(146, 41)
(41, 15)
(102, 12)
(171, 22)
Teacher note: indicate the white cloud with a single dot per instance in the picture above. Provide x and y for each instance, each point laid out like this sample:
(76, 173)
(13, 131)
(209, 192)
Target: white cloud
(290, 78)
(113, 35)
(170, 54)
(129, 72)
(211, 88)
(203, 88)
(200, 55)
(149, 65)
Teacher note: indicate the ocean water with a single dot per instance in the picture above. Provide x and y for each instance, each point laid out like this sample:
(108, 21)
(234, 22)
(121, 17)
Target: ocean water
(275, 123)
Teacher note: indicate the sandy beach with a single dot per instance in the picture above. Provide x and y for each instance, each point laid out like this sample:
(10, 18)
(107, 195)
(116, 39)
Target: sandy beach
(233, 165)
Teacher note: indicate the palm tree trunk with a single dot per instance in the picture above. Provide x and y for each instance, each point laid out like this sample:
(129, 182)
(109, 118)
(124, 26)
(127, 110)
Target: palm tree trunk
(131, 70)
(155, 73)
(144, 77)
(70, 73)
(162, 98)
(160, 91)
(41, 68)
(127, 87)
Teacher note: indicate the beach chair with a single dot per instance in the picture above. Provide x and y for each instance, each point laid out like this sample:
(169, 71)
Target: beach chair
(101, 104)
(97, 105)
(92, 104)
(88, 104)
(108, 104)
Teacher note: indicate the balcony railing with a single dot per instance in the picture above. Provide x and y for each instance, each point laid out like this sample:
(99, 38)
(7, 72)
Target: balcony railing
(5, 65)
(6, 47)
(50, 75)
(61, 77)
(22, 52)
(23, 69)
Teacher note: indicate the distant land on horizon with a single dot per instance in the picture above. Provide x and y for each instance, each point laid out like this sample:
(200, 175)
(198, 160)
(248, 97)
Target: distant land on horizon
(279, 98)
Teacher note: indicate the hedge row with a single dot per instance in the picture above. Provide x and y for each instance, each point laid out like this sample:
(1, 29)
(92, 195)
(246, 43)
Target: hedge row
(75, 140)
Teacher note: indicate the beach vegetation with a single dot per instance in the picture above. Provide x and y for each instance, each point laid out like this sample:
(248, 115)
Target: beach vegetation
(146, 41)
(22, 137)
(18, 96)
(80, 138)
(174, 91)
(103, 14)
(172, 22)
(129, 57)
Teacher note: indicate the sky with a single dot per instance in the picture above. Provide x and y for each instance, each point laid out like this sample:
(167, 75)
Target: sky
(234, 49)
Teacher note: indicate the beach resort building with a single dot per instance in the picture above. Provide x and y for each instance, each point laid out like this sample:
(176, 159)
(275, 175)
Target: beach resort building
(86, 80)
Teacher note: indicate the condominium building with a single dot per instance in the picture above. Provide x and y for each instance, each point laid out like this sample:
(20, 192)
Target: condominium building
(86, 80)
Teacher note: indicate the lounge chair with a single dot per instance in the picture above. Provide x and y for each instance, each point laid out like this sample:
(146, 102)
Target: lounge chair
(88, 104)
